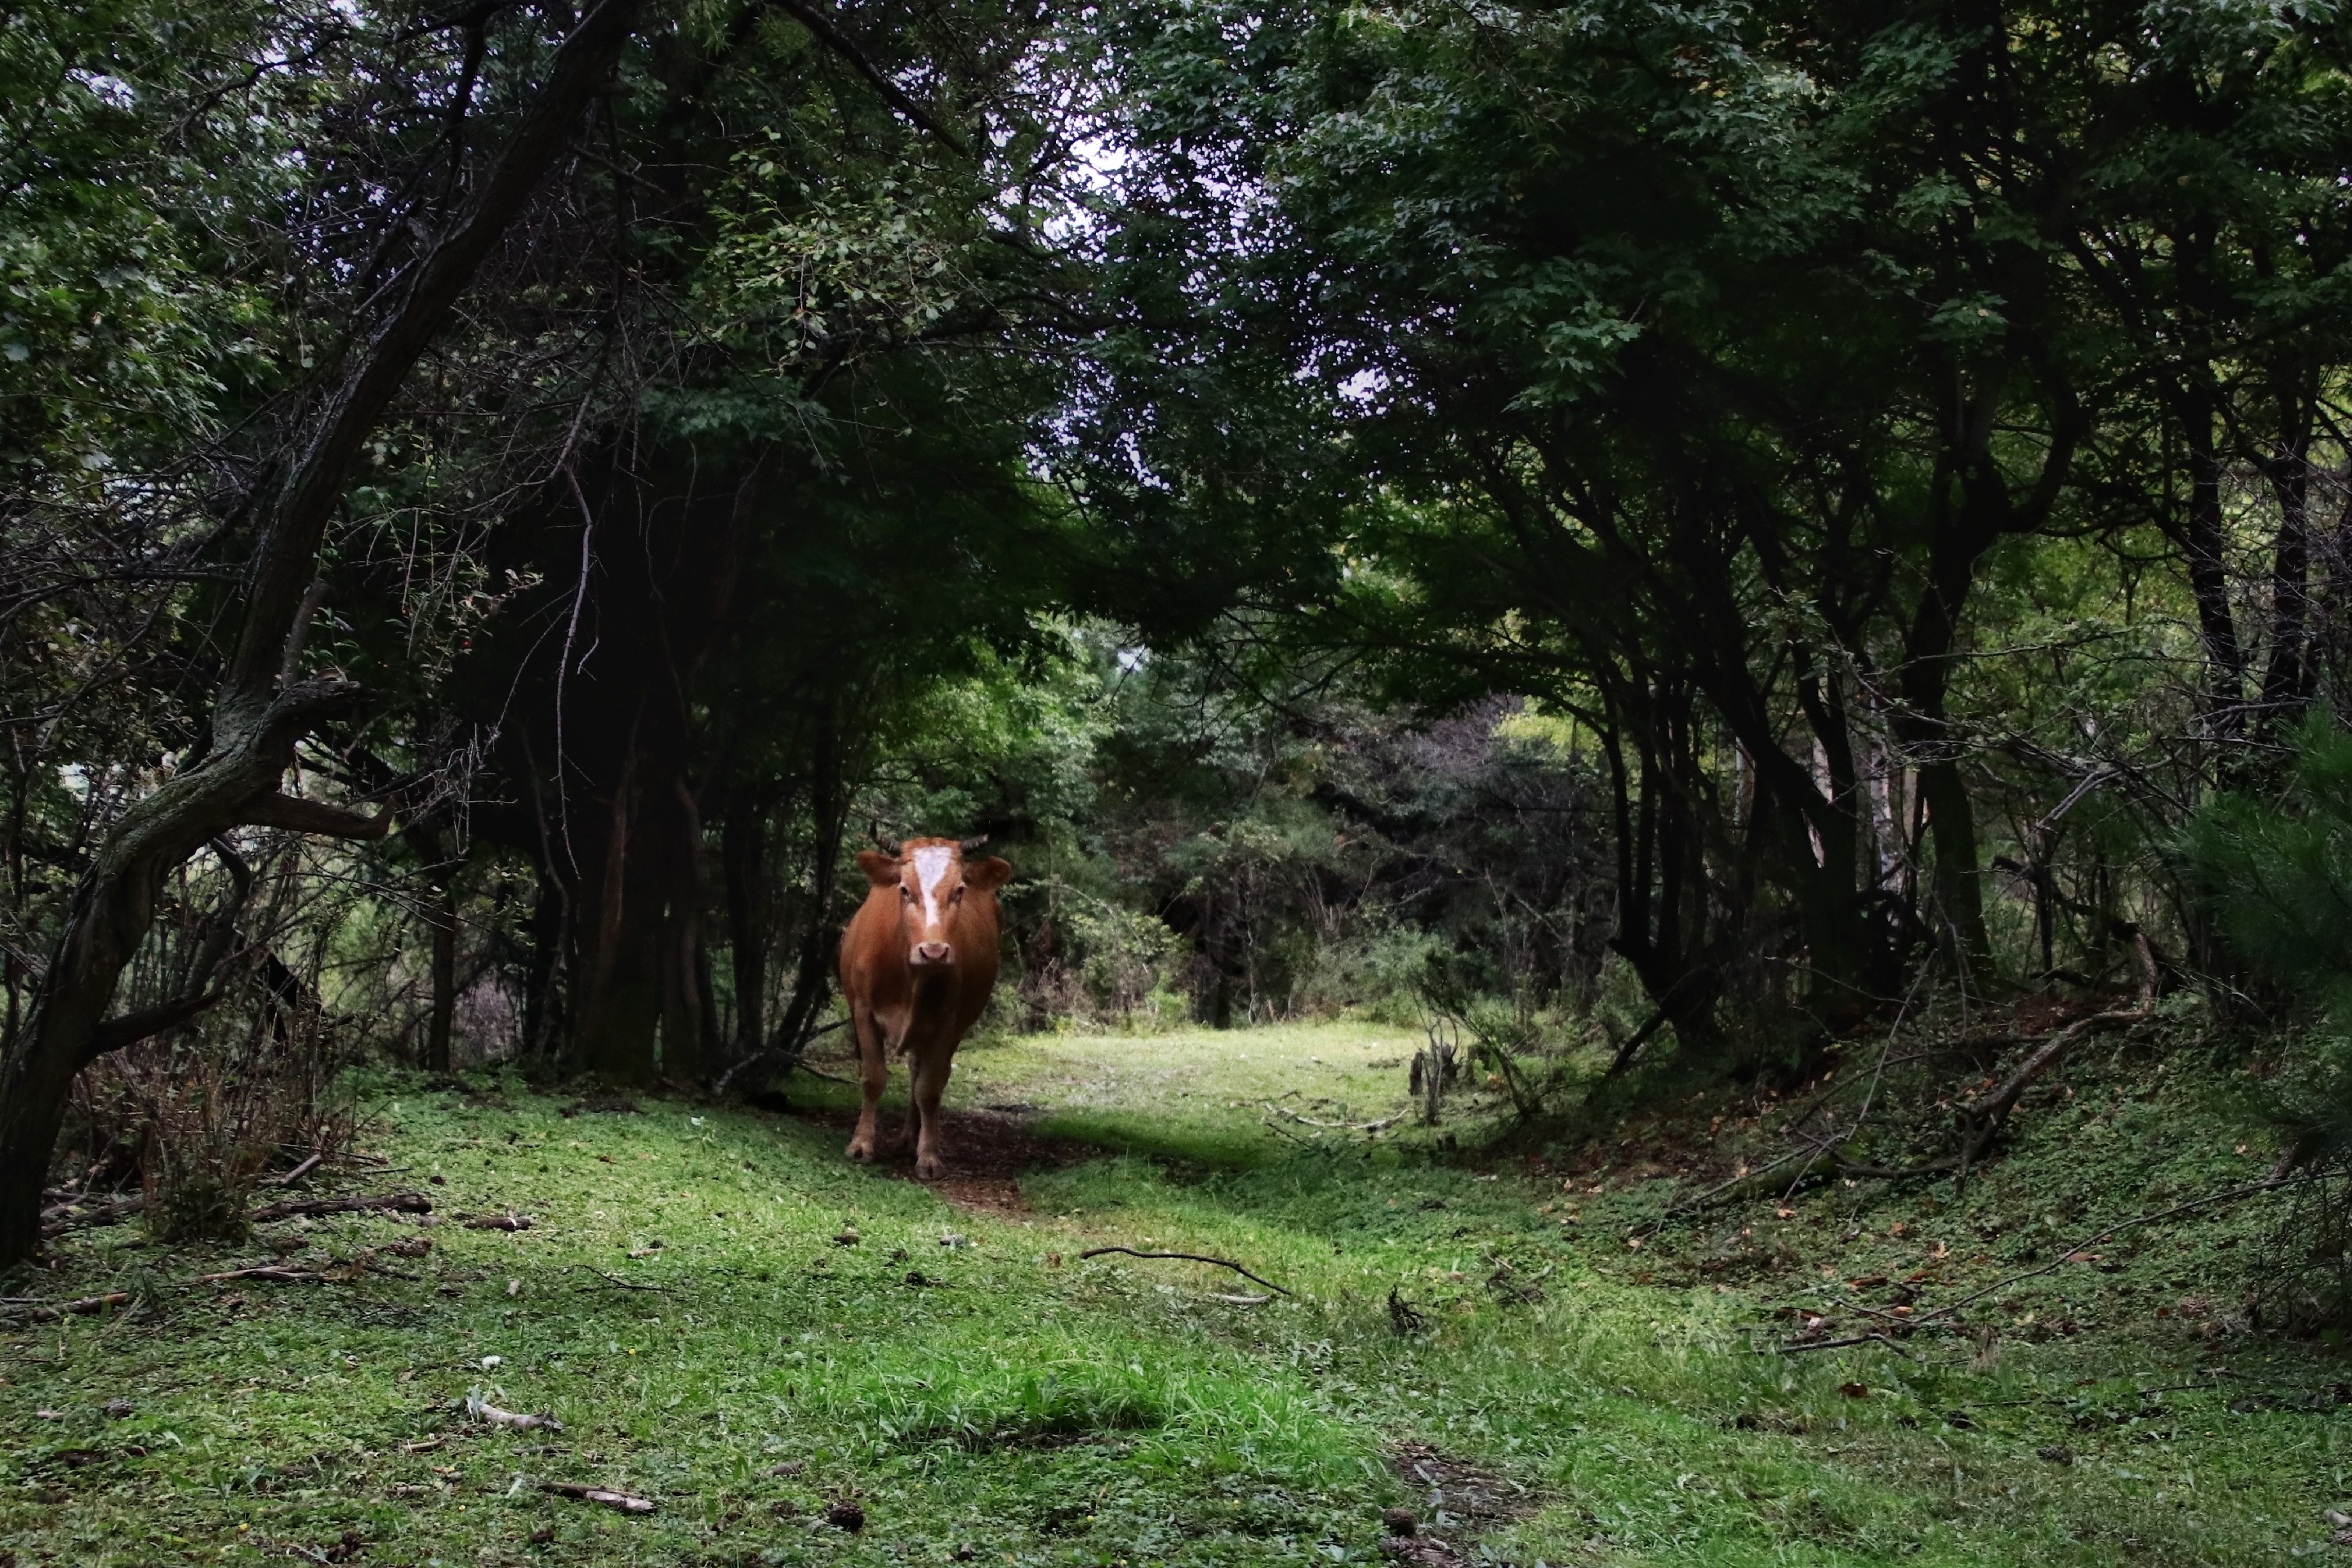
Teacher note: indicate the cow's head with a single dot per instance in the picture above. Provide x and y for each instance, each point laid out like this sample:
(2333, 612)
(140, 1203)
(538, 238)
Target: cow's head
(931, 877)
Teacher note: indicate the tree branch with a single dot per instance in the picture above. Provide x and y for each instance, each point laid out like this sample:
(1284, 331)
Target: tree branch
(287, 556)
(317, 816)
(806, 13)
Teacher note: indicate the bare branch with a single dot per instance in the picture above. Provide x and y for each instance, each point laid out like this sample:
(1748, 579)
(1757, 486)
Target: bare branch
(807, 14)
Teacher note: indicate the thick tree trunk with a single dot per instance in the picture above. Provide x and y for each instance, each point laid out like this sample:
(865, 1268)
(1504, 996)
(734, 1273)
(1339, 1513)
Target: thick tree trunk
(654, 601)
(262, 711)
(1958, 883)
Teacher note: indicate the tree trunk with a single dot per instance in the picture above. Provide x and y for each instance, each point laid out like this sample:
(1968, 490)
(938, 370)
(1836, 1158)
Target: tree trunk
(2201, 536)
(1957, 884)
(2287, 682)
(262, 711)
(743, 860)
(652, 600)
(828, 812)
(443, 919)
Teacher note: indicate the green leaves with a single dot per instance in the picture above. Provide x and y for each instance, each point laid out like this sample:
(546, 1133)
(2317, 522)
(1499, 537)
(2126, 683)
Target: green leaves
(2278, 870)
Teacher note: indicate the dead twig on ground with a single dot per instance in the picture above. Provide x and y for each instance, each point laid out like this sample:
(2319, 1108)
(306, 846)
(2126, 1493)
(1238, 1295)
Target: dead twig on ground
(1982, 1119)
(400, 1203)
(2073, 1253)
(610, 1498)
(482, 1410)
(1288, 1115)
(297, 1172)
(50, 1311)
(60, 1218)
(619, 1284)
(1802, 1345)
(277, 1271)
(1190, 1258)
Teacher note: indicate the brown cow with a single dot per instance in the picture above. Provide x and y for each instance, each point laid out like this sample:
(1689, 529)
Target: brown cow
(918, 962)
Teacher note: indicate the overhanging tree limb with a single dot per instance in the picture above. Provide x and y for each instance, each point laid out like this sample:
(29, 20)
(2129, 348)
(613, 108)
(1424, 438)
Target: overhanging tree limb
(807, 14)
(260, 712)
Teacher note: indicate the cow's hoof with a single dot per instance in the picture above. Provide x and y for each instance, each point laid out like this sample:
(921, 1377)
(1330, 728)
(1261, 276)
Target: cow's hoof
(929, 1168)
(861, 1149)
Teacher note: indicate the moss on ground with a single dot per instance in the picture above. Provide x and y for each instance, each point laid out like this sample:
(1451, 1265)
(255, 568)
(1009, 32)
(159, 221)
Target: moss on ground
(686, 1302)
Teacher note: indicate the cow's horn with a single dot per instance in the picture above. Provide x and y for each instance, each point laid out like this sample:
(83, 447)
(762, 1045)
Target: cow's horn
(888, 846)
(969, 845)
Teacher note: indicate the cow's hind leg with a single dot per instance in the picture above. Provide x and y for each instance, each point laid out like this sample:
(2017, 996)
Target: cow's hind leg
(874, 1072)
(930, 1076)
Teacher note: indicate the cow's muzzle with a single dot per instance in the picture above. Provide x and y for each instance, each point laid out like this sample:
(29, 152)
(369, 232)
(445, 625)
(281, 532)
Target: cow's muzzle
(933, 952)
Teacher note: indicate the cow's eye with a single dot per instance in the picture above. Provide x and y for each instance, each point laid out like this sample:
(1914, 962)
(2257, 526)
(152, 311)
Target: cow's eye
(956, 896)
(907, 893)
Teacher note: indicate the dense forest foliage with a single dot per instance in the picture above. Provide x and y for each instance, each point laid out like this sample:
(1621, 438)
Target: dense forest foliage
(1665, 532)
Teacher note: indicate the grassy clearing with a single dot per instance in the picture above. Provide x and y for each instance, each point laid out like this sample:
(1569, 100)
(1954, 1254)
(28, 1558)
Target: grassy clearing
(1020, 1404)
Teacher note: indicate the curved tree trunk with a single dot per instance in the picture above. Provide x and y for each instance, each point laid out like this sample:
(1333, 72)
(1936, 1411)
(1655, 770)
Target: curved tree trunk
(261, 710)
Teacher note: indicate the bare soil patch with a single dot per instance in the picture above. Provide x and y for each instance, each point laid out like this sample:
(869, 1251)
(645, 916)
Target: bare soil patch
(1457, 1493)
(988, 1152)
(1455, 1502)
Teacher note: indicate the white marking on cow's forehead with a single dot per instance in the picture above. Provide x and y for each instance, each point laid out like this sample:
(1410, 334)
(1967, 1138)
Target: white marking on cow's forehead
(932, 865)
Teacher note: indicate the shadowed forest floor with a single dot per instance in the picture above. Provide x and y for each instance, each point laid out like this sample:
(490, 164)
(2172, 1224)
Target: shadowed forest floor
(730, 1321)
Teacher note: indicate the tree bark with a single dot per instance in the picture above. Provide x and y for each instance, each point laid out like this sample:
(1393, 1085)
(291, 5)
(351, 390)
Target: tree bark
(443, 917)
(2287, 682)
(262, 711)
(743, 856)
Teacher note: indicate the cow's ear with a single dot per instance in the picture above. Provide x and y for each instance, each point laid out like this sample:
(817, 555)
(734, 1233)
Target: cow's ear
(880, 869)
(987, 874)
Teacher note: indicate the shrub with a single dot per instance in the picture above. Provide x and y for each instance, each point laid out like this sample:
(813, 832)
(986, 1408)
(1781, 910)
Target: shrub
(2276, 872)
(201, 1114)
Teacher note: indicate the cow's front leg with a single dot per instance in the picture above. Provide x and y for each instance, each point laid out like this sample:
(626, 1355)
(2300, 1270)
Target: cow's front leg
(930, 1076)
(874, 1073)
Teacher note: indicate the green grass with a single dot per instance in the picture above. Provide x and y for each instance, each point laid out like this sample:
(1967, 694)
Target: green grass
(1025, 1406)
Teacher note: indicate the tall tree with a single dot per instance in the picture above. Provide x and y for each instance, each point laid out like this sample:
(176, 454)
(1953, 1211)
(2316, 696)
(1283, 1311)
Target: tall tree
(266, 703)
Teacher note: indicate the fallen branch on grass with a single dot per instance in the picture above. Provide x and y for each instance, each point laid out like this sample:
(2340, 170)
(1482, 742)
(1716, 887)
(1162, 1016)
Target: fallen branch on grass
(482, 1410)
(621, 1500)
(1189, 1258)
(2075, 1253)
(1279, 1131)
(1803, 1345)
(792, 1062)
(1691, 1206)
(1981, 1119)
(50, 1311)
(58, 1220)
(1288, 1115)
(62, 1217)
(620, 1284)
(297, 1172)
(277, 1271)
(508, 1221)
(400, 1203)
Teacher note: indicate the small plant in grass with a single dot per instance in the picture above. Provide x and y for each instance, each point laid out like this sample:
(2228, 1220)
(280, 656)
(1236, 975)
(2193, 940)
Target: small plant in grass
(201, 1114)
